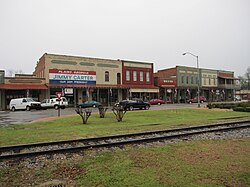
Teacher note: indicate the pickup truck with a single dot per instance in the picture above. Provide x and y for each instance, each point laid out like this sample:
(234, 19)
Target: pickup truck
(54, 103)
(134, 103)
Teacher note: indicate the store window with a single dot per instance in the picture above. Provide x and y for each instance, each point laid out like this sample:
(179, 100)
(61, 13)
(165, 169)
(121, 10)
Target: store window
(141, 76)
(106, 76)
(127, 75)
(182, 79)
(147, 77)
(134, 76)
(204, 81)
(118, 78)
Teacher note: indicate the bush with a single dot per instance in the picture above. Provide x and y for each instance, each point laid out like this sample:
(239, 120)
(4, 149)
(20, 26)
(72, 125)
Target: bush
(242, 109)
(244, 106)
(239, 109)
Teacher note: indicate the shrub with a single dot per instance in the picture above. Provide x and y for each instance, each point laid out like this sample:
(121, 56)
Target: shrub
(244, 106)
(242, 109)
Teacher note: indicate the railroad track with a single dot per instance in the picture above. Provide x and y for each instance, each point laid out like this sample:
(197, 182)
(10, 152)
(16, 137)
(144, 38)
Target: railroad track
(78, 145)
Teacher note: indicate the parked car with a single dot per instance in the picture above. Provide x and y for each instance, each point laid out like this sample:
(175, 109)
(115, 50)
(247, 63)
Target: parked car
(24, 104)
(156, 102)
(237, 98)
(54, 103)
(134, 103)
(88, 104)
(195, 100)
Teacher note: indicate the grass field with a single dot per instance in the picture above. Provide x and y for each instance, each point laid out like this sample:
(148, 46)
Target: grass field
(135, 121)
(195, 163)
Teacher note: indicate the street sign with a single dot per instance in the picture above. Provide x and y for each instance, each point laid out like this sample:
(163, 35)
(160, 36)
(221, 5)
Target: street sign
(59, 95)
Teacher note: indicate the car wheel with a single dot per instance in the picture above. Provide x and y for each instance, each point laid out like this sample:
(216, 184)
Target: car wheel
(13, 109)
(56, 107)
(28, 108)
(131, 108)
(94, 106)
(146, 107)
(201, 101)
(190, 102)
(159, 103)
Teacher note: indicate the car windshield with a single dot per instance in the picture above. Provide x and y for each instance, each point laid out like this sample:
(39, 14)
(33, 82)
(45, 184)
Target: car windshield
(44, 101)
(30, 100)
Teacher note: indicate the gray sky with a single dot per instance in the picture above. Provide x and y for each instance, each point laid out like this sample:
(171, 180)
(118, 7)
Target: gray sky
(158, 31)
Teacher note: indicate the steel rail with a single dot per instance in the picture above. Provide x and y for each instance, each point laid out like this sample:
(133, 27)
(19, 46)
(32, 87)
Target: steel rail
(125, 142)
(17, 148)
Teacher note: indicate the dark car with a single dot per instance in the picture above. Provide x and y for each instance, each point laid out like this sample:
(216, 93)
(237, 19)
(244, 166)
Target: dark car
(88, 104)
(134, 103)
(195, 100)
(156, 102)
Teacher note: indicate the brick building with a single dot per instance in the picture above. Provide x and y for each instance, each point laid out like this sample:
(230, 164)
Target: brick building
(81, 79)
(180, 83)
(138, 79)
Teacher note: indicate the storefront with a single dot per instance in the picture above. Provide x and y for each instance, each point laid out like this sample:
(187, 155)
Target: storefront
(21, 86)
(144, 93)
(81, 78)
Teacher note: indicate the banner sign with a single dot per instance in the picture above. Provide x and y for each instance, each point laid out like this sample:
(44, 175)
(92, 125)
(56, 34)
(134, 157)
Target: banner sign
(167, 82)
(72, 77)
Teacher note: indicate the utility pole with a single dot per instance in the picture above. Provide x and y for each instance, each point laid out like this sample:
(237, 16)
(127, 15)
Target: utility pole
(248, 82)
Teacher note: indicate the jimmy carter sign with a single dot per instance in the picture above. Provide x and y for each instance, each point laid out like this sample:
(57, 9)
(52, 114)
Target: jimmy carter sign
(72, 76)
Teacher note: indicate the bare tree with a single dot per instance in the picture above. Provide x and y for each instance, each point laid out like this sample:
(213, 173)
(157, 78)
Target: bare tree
(245, 80)
(85, 114)
(102, 111)
(11, 72)
(119, 112)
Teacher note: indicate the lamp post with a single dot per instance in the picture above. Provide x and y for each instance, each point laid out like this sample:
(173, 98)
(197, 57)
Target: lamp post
(198, 87)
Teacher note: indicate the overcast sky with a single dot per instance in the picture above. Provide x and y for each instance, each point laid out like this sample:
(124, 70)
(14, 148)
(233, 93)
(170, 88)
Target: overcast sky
(157, 31)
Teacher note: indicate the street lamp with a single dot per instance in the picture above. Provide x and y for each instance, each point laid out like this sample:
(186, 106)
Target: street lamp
(198, 95)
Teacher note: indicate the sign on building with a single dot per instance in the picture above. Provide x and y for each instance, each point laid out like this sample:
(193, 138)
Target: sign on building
(68, 90)
(57, 76)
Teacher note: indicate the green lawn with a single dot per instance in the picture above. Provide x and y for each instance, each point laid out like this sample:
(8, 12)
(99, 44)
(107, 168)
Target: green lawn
(196, 163)
(135, 121)
(205, 163)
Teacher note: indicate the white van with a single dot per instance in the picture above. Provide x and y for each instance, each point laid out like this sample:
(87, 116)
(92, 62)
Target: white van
(54, 103)
(24, 104)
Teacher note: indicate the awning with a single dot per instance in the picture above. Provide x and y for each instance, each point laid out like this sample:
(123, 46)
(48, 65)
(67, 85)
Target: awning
(82, 86)
(147, 90)
(231, 78)
(23, 86)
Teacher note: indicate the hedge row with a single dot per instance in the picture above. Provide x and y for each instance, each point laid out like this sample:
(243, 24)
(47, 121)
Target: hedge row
(242, 109)
(243, 106)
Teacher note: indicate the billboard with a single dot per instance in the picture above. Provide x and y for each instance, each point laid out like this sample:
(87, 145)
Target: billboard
(57, 76)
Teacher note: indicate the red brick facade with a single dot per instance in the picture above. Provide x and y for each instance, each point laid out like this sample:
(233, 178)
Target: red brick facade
(166, 78)
(138, 82)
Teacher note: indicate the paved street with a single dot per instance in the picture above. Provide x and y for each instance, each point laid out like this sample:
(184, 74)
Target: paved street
(20, 117)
